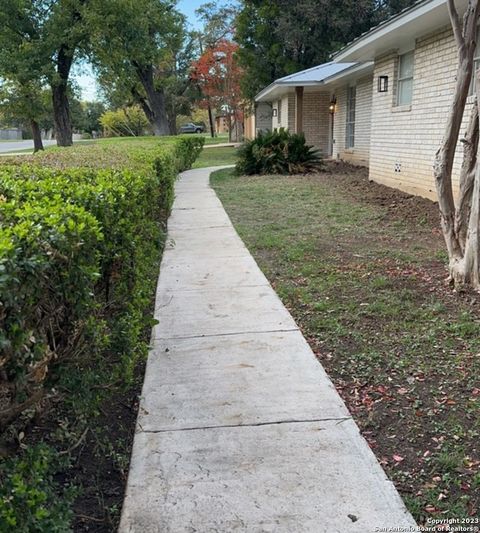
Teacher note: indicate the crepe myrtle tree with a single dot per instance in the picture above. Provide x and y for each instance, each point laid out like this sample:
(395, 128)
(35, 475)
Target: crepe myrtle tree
(460, 221)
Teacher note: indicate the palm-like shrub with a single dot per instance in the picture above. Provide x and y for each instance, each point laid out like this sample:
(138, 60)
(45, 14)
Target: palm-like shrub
(278, 152)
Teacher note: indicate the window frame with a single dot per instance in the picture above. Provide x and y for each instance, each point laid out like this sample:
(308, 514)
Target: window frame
(476, 65)
(351, 111)
(403, 79)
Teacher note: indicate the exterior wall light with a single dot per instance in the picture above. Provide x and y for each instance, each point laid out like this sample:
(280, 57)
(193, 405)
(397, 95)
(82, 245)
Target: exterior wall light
(274, 112)
(382, 84)
(333, 105)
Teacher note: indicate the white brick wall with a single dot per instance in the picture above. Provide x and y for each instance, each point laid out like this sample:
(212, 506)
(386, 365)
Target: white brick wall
(359, 154)
(408, 139)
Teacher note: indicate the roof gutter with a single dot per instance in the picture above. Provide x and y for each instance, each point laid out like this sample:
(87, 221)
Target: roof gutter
(311, 83)
(356, 69)
(397, 21)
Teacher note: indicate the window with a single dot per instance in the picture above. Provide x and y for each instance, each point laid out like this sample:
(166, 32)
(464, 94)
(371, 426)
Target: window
(476, 65)
(279, 116)
(405, 79)
(350, 121)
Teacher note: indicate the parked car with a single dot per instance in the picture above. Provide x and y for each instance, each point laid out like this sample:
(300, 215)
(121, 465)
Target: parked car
(190, 127)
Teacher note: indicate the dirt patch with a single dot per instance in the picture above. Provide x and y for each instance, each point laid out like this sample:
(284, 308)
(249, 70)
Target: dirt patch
(362, 268)
(355, 183)
(102, 472)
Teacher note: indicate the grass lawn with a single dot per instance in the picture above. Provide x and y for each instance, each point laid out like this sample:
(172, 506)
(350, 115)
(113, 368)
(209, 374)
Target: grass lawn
(221, 138)
(362, 269)
(211, 157)
(218, 139)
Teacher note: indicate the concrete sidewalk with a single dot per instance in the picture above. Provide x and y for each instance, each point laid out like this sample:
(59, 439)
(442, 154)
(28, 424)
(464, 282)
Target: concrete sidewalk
(239, 427)
(223, 145)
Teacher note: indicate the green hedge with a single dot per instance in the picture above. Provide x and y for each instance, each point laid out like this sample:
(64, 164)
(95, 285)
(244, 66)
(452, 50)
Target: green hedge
(80, 238)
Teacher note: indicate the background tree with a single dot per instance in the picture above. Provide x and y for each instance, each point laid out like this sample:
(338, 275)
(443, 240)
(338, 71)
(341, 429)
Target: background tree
(40, 40)
(461, 222)
(173, 76)
(218, 24)
(22, 67)
(217, 74)
(86, 116)
(279, 37)
(131, 42)
(128, 121)
(24, 103)
(64, 35)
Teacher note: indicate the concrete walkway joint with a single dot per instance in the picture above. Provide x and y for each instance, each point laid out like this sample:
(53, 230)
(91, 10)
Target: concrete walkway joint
(239, 427)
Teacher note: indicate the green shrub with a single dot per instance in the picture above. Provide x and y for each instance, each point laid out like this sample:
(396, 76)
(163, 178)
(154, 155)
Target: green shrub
(80, 243)
(189, 149)
(48, 270)
(277, 152)
(29, 495)
(81, 231)
(124, 122)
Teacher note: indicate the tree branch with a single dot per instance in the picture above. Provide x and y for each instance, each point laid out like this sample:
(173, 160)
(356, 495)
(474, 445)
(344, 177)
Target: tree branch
(456, 24)
(467, 176)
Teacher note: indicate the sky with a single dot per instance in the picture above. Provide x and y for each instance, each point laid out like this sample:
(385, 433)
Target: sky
(84, 76)
(188, 8)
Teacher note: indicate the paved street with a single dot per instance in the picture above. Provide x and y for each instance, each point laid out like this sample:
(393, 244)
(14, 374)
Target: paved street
(14, 146)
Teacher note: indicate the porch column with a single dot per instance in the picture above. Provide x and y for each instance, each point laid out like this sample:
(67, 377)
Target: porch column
(298, 109)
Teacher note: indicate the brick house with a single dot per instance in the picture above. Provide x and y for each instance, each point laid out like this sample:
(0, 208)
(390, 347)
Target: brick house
(314, 102)
(392, 91)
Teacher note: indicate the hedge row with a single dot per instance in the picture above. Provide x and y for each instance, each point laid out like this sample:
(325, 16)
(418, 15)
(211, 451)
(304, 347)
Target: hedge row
(81, 231)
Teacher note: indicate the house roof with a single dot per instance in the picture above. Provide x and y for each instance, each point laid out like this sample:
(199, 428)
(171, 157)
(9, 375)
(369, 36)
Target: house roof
(311, 77)
(399, 31)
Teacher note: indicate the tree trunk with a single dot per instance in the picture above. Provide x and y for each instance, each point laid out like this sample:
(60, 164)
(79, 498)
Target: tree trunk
(37, 136)
(229, 124)
(209, 107)
(467, 177)
(460, 223)
(61, 107)
(172, 123)
(154, 103)
(210, 119)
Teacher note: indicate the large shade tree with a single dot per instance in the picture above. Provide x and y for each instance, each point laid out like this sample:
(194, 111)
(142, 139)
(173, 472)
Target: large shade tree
(65, 35)
(22, 68)
(461, 220)
(24, 103)
(42, 39)
(134, 46)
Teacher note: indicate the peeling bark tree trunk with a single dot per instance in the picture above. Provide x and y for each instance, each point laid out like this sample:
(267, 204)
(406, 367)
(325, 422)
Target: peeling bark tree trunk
(61, 107)
(460, 223)
(37, 136)
(154, 103)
